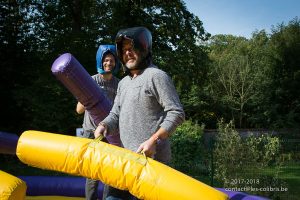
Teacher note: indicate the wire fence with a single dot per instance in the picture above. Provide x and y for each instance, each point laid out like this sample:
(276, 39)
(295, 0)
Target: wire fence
(279, 180)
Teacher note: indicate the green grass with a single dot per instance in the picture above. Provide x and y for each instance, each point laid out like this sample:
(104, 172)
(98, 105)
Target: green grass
(287, 176)
(289, 173)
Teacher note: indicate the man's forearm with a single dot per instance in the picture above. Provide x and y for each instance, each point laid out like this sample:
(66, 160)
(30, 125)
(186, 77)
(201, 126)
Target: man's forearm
(161, 133)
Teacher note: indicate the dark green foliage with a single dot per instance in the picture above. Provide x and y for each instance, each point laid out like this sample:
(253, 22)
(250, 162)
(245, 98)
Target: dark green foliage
(242, 161)
(34, 34)
(254, 82)
(285, 42)
(188, 154)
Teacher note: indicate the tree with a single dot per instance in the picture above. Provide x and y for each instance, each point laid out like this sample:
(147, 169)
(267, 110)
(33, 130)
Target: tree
(237, 84)
(285, 46)
(50, 28)
(177, 36)
(17, 46)
(241, 78)
(260, 53)
(232, 74)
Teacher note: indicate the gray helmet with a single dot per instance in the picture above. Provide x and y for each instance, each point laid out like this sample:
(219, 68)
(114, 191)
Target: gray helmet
(141, 39)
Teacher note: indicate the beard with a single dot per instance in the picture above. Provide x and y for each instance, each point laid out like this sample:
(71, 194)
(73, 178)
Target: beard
(134, 65)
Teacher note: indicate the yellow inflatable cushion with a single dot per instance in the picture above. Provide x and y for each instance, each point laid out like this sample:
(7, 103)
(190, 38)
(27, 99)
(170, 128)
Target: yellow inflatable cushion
(11, 187)
(145, 178)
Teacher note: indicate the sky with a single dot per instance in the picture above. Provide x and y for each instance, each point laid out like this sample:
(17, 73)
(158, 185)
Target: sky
(243, 17)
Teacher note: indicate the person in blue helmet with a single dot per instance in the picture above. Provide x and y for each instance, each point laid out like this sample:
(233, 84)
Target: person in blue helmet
(147, 108)
(107, 65)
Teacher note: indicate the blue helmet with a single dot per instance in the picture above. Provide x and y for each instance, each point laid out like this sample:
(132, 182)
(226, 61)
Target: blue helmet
(102, 50)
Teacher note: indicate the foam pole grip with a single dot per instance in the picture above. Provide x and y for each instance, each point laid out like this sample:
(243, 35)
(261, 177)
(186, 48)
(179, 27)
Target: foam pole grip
(144, 177)
(77, 80)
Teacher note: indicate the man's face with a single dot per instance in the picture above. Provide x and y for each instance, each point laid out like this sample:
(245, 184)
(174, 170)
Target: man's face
(109, 62)
(130, 57)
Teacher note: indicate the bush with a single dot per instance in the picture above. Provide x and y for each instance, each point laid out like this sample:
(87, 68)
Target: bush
(187, 149)
(237, 158)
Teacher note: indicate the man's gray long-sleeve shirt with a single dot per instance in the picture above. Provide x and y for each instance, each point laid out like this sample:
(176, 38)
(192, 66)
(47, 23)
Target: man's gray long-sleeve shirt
(144, 104)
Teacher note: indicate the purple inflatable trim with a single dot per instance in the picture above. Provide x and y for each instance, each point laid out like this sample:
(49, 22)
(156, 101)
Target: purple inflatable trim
(240, 195)
(8, 143)
(57, 186)
(78, 81)
(74, 187)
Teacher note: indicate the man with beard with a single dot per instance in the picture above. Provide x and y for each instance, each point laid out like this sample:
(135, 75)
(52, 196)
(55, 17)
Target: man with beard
(147, 109)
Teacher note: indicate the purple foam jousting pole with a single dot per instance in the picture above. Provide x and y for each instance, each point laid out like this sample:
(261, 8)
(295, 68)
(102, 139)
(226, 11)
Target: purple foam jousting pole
(78, 81)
